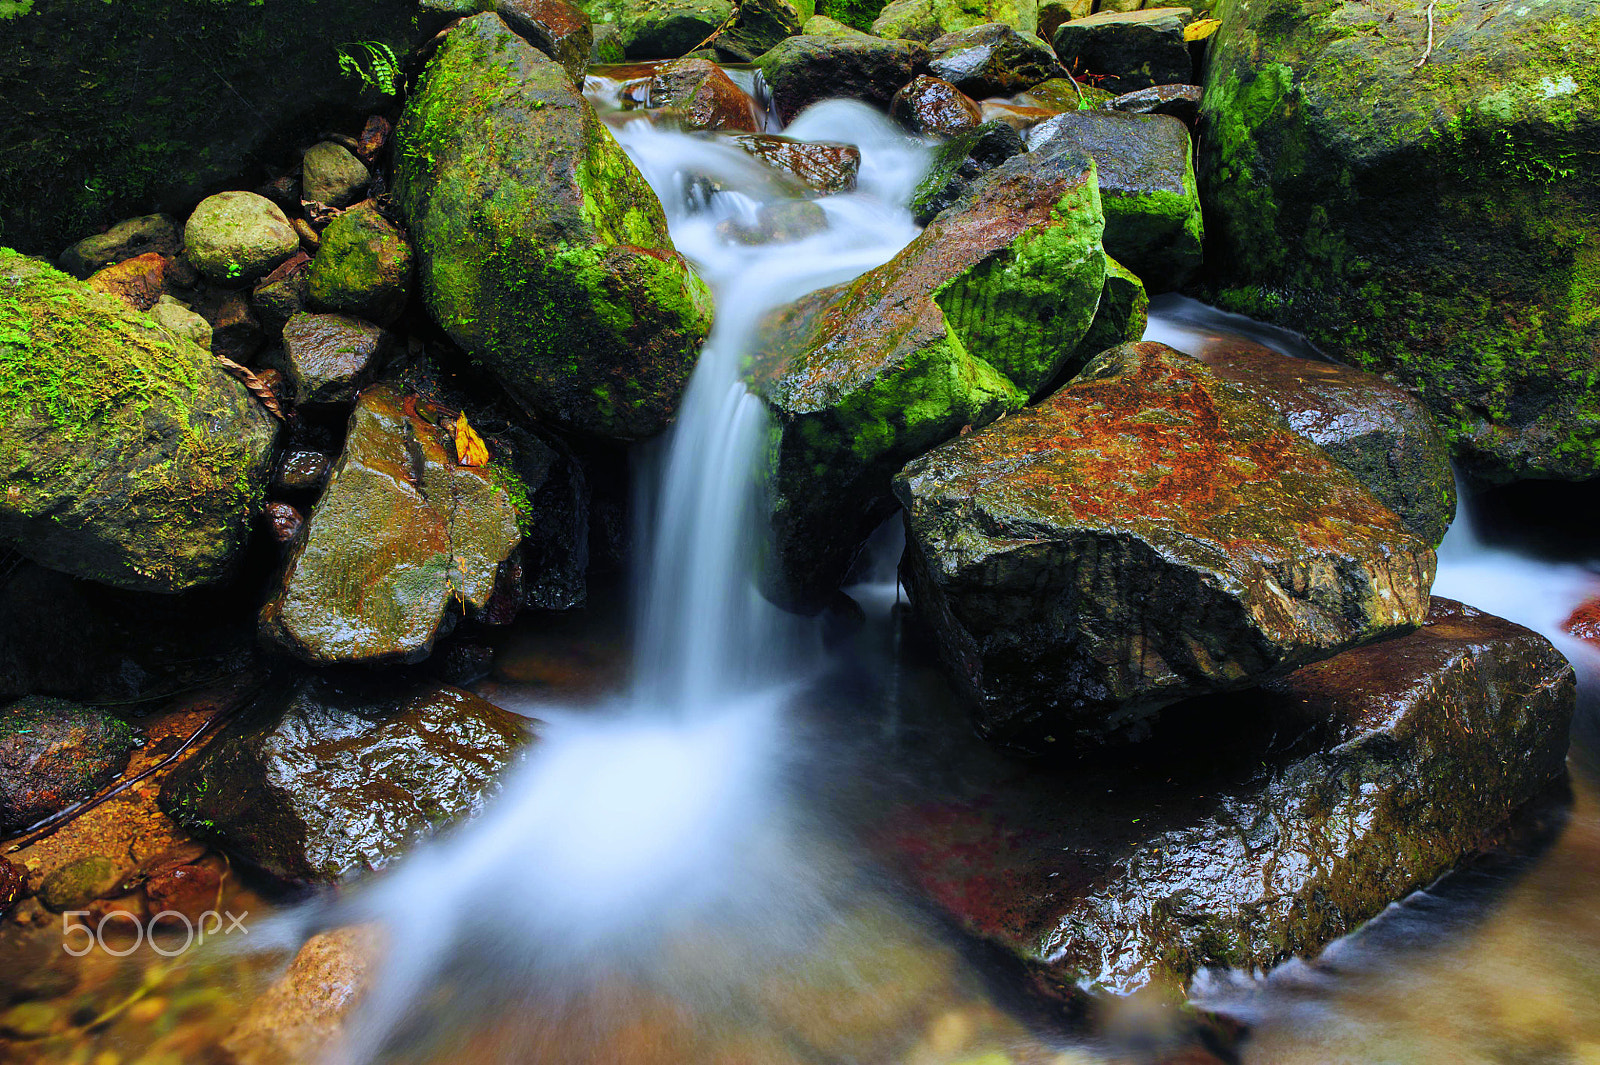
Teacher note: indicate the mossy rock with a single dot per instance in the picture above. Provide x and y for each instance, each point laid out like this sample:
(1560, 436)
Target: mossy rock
(1121, 318)
(1437, 223)
(54, 753)
(925, 20)
(363, 267)
(235, 238)
(540, 248)
(801, 71)
(660, 29)
(126, 456)
(76, 884)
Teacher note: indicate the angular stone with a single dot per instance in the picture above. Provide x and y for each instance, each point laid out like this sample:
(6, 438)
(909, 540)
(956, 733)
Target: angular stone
(362, 268)
(928, 105)
(823, 26)
(1062, 94)
(1439, 224)
(52, 754)
(302, 471)
(960, 327)
(541, 249)
(804, 70)
(238, 237)
(820, 166)
(660, 29)
(125, 240)
(330, 174)
(283, 293)
(1052, 13)
(992, 60)
(960, 161)
(1213, 845)
(761, 26)
(1146, 534)
(1130, 49)
(925, 20)
(125, 457)
(329, 358)
(322, 780)
(140, 282)
(558, 29)
(400, 537)
(236, 332)
(701, 96)
(1147, 185)
(1374, 429)
(1121, 318)
(1182, 102)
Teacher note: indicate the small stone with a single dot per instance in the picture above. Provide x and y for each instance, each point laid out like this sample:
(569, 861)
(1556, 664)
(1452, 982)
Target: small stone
(54, 753)
(309, 238)
(823, 26)
(137, 236)
(363, 267)
(331, 175)
(189, 889)
(76, 884)
(283, 293)
(328, 358)
(821, 166)
(283, 521)
(13, 884)
(374, 139)
(1018, 116)
(139, 282)
(1182, 102)
(1063, 94)
(238, 237)
(929, 105)
(1130, 49)
(302, 1015)
(179, 321)
(302, 471)
(236, 333)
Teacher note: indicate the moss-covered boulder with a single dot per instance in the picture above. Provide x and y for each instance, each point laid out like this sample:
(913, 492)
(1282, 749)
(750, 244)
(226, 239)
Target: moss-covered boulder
(660, 29)
(52, 754)
(962, 326)
(402, 539)
(323, 781)
(560, 30)
(926, 20)
(1146, 534)
(238, 237)
(1128, 49)
(992, 60)
(1121, 318)
(803, 70)
(126, 456)
(540, 248)
(1253, 827)
(1438, 223)
(760, 27)
(1372, 428)
(363, 267)
(960, 161)
(1147, 183)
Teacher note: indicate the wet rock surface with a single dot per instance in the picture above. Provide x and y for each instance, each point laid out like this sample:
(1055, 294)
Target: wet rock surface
(928, 105)
(1322, 798)
(1180, 101)
(804, 70)
(1375, 430)
(991, 60)
(701, 96)
(238, 237)
(125, 457)
(558, 29)
(927, 20)
(52, 754)
(127, 239)
(1146, 534)
(569, 290)
(821, 166)
(401, 538)
(362, 267)
(958, 162)
(1121, 318)
(302, 1015)
(964, 324)
(329, 358)
(1130, 49)
(332, 175)
(325, 780)
(660, 29)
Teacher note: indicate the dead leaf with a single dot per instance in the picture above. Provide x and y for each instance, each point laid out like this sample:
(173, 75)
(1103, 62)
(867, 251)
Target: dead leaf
(258, 388)
(1201, 29)
(470, 448)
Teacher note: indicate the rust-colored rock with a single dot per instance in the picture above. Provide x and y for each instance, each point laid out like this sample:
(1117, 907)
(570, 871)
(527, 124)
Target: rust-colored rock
(139, 282)
(374, 139)
(283, 521)
(929, 105)
(1584, 622)
(821, 166)
(302, 1015)
(558, 29)
(1017, 116)
(701, 96)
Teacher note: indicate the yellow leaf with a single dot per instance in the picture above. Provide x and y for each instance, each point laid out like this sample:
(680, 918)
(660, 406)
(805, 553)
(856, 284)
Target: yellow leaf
(470, 448)
(1200, 30)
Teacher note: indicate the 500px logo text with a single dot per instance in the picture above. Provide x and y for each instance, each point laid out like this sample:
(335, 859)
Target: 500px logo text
(80, 939)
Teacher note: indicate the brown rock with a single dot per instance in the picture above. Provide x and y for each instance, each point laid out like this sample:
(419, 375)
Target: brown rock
(300, 1018)
(821, 166)
(1017, 116)
(302, 471)
(701, 96)
(328, 358)
(125, 240)
(373, 140)
(13, 885)
(236, 333)
(139, 282)
(1584, 622)
(188, 888)
(283, 293)
(558, 29)
(928, 105)
(283, 520)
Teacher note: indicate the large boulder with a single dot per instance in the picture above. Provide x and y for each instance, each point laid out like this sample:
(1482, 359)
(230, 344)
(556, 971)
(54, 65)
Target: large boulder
(800, 71)
(966, 323)
(558, 29)
(1146, 534)
(324, 780)
(1128, 50)
(541, 250)
(1253, 827)
(126, 456)
(1377, 431)
(926, 20)
(402, 538)
(1147, 184)
(992, 60)
(1436, 221)
(660, 29)
(52, 754)
(236, 238)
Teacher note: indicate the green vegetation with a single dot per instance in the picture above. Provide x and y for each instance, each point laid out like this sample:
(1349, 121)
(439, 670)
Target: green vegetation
(373, 64)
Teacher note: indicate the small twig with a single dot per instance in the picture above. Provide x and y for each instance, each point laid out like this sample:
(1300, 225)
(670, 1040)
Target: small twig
(1429, 50)
(718, 31)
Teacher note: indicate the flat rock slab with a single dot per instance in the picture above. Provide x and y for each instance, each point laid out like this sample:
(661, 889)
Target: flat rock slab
(1146, 534)
(1254, 827)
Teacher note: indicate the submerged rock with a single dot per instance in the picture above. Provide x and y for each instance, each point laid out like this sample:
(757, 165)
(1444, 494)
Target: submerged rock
(302, 1016)
(1129, 49)
(1147, 186)
(928, 105)
(1437, 223)
(963, 325)
(125, 456)
(541, 250)
(238, 237)
(401, 536)
(926, 20)
(1216, 846)
(701, 96)
(1375, 430)
(1146, 534)
(992, 60)
(324, 780)
(801, 71)
(52, 754)
(362, 267)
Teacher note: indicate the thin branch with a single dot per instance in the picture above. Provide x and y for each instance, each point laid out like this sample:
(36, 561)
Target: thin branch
(1429, 51)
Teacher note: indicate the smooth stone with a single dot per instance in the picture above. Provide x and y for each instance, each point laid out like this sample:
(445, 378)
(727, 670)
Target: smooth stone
(126, 240)
(802, 71)
(331, 175)
(928, 105)
(238, 237)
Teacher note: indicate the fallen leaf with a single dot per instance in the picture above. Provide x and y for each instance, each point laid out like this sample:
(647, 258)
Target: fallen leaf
(470, 448)
(1201, 29)
(258, 388)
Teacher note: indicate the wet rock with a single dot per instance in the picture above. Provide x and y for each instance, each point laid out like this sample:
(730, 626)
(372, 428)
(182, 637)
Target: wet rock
(701, 96)
(607, 45)
(960, 327)
(302, 1015)
(126, 240)
(821, 166)
(660, 29)
(139, 282)
(302, 471)
(1146, 534)
(1147, 186)
(558, 29)
(1320, 800)
(329, 358)
(777, 223)
(991, 60)
(823, 26)
(238, 237)
(925, 20)
(181, 323)
(1017, 116)
(573, 296)
(236, 333)
(803, 70)
(760, 27)
(1131, 49)
(1052, 13)
(1121, 318)
(958, 163)
(1182, 102)
(1062, 94)
(284, 521)
(330, 174)
(401, 535)
(1584, 622)
(186, 887)
(554, 521)
(362, 268)
(928, 105)
(13, 885)
(124, 457)
(52, 754)
(1375, 430)
(283, 293)
(375, 134)
(78, 883)
(324, 780)
(1433, 223)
